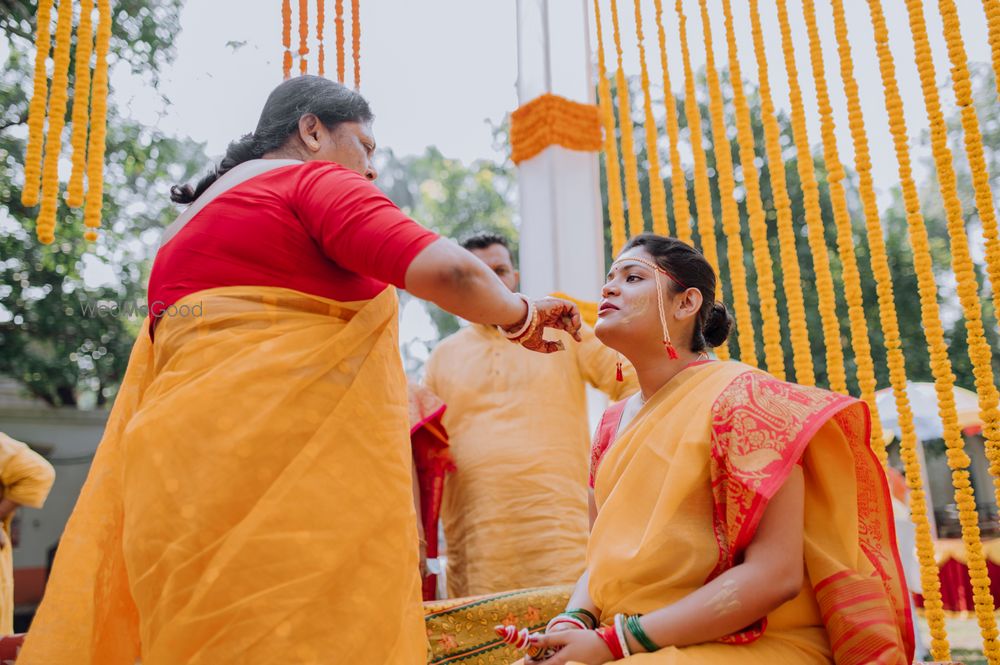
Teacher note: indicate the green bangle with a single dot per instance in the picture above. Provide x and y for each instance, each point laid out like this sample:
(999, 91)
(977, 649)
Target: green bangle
(581, 613)
(634, 627)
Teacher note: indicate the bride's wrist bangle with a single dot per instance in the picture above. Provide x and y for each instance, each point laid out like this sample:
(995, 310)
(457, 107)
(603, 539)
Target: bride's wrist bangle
(525, 327)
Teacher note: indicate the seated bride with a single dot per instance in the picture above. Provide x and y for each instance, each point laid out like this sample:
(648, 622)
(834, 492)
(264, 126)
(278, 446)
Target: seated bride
(740, 518)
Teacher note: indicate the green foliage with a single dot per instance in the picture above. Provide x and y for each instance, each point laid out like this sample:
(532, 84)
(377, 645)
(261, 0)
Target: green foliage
(51, 337)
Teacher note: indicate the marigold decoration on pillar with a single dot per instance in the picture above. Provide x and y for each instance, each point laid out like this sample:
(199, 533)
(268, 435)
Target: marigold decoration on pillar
(339, 24)
(814, 220)
(979, 352)
(356, 41)
(930, 312)
(730, 209)
(791, 282)
(930, 581)
(657, 194)
(835, 177)
(678, 182)
(702, 192)
(968, 293)
(616, 206)
(320, 19)
(81, 103)
(771, 329)
(286, 37)
(633, 196)
(36, 109)
(553, 120)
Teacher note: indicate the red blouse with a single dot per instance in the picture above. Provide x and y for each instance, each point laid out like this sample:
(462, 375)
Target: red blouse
(314, 227)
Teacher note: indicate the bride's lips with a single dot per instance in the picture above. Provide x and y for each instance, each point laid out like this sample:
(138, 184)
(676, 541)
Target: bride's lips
(605, 308)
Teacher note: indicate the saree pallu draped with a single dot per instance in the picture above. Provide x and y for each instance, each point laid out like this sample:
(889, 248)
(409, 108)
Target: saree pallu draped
(683, 489)
(251, 500)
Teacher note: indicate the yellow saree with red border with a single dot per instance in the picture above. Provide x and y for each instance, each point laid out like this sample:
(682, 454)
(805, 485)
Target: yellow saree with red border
(251, 500)
(683, 488)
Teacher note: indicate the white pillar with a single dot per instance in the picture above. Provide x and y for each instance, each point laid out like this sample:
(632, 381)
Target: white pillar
(561, 227)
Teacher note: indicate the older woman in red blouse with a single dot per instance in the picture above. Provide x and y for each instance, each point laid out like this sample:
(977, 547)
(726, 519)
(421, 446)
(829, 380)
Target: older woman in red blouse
(251, 499)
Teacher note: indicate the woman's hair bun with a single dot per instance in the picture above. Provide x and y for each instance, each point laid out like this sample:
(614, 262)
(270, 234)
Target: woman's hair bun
(717, 325)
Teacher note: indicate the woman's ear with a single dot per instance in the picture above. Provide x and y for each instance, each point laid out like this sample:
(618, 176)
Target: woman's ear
(309, 126)
(688, 303)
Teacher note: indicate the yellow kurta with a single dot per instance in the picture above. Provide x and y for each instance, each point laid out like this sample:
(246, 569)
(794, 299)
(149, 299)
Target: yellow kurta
(660, 534)
(25, 479)
(515, 511)
(251, 499)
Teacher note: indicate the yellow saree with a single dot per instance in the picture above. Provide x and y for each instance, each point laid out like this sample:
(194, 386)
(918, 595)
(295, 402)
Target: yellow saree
(251, 498)
(682, 490)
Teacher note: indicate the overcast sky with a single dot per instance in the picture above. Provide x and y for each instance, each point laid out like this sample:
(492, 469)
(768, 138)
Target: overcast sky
(436, 70)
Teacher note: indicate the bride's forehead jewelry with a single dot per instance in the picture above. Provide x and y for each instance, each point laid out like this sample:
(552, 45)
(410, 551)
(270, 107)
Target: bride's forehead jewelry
(657, 271)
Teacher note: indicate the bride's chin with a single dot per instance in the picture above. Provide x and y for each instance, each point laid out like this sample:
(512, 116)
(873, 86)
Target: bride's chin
(609, 332)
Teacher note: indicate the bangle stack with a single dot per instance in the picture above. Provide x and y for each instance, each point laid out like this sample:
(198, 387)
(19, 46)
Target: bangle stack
(635, 629)
(616, 635)
(580, 617)
(610, 636)
(531, 320)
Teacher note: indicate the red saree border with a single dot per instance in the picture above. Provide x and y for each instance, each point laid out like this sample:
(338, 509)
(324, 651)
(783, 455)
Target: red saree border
(605, 436)
(748, 472)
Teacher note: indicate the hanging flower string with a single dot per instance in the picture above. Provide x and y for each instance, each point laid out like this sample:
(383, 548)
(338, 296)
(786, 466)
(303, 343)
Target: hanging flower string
(36, 109)
(979, 352)
(633, 196)
(702, 192)
(46, 223)
(774, 353)
(338, 22)
(835, 176)
(678, 182)
(320, 18)
(98, 124)
(81, 103)
(730, 210)
(814, 219)
(616, 206)
(657, 194)
(286, 37)
(303, 36)
(356, 41)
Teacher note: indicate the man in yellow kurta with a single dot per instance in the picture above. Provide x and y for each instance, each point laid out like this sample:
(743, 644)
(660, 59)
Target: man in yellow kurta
(515, 511)
(25, 478)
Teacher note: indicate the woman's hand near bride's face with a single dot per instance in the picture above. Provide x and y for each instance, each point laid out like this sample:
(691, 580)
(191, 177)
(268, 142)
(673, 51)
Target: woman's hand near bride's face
(553, 313)
(576, 646)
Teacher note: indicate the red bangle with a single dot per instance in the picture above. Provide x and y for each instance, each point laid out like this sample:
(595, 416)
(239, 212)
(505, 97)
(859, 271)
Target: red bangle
(610, 637)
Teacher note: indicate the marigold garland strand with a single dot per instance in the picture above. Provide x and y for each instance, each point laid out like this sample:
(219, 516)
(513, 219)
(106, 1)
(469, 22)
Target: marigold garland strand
(633, 196)
(702, 192)
(338, 22)
(37, 107)
(46, 223)
(814, 219)
(791, 282)
(979, 352)
(356, 41)
(320, 18)
(968, 292)
(730, 209)
(286, 37)
(835, 177)
(992, 9)
(678, 182)
(774, 353)
(98, 124)
(303, 36)
(657, 193)
(81, 103)
(616, 206)
(930, 581)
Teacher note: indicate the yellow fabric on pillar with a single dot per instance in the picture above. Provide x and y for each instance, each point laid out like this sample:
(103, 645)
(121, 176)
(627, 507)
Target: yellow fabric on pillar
(682, 489)
(25, 478)
(515, 510)
(251, 498)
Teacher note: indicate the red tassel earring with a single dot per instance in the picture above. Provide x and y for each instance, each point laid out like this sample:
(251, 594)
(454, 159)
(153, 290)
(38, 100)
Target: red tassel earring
(618, 370)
